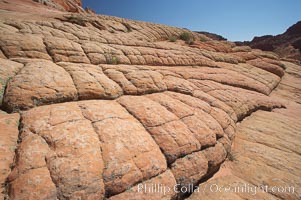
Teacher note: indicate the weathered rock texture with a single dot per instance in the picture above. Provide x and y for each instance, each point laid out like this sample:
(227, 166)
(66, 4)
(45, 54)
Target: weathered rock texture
(106, 104)
(35, 5)
(265, 153)
(9, 136)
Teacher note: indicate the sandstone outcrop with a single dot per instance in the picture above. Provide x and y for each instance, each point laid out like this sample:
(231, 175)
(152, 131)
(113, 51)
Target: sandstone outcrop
(265, 158)
(93, 106)
(42, 5)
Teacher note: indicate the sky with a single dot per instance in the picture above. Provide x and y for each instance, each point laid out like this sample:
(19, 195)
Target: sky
(236, 20)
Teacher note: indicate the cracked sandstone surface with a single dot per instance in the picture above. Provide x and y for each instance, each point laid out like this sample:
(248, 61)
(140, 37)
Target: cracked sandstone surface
(92, 106)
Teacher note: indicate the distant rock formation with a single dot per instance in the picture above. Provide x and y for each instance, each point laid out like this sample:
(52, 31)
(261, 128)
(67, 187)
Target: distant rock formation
(212, 35)
(286, 45)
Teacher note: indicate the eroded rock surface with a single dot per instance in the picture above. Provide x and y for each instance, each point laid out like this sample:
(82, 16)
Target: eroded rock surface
(34, 5)
(9, 137)
(107, 104)
(264, 162)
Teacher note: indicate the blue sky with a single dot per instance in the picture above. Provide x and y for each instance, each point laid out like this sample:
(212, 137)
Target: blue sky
(237, 20)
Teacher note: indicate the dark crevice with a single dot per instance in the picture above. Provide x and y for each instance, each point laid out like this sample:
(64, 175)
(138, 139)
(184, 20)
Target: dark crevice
(6, 190)
(263, 108)
(15, 160)
(4, 53)
(210, 173)
(127, 26)
(3, 106)
(48, 51)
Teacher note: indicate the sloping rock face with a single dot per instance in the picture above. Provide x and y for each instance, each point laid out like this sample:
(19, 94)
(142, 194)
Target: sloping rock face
(33, 6)
(286, 45)
(265, 158)
(98, 107)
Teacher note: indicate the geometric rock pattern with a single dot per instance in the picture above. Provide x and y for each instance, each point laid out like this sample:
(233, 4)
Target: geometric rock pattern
(107, 103)
(265, 159)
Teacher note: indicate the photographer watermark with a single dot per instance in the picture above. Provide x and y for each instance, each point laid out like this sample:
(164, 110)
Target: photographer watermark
(163, 189)
(251, 189)
(214, 188)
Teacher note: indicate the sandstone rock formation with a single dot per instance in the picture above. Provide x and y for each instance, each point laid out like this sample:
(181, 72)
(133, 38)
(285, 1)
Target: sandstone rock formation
(265, 158)
(287, 45)
(94, 106)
